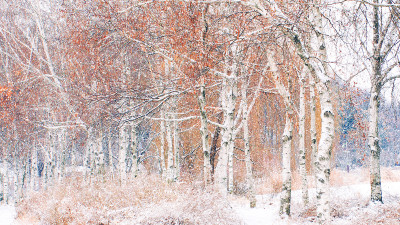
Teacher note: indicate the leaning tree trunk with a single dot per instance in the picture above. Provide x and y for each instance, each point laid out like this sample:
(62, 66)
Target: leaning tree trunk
(373, 143)
(286, 170)
(302, 150)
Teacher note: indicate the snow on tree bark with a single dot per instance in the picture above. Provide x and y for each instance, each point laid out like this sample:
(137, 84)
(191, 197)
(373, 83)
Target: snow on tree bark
(373, 133)
(204, 134)
(134, 151)
(286, 170)
(123, 148)
(302, 150)
(313, 128)
(162, 144)
(322, 165)
(246, 141)
(373, 143)
(170, 153)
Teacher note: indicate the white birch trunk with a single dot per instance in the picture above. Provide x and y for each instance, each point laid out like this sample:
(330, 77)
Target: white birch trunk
(170, 153)
(322, 165)
(162, 145)
(99, 155)
(2, 192)
(50, 165)
(224, 171)
(34, 169)
(6, 186)
(286, 170)
(286, 139)
(176, 149)
(313, 128)
(134, 151)
(302, 144)
(204, 135)
(221, 170)
(373, 143)
(62, 154)
(123, 148)
(373, 134)
(246, 141)
(110, 153)
(16, 178)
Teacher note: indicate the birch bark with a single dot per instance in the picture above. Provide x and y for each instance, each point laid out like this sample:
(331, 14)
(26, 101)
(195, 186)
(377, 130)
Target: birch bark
(162, 144)
(134, 151)
(373, 135)
(302, 150)
(246, 140)
(123, 148)
(373, 143)
(170, 153)
(204, 134)
(313, 128)
(286, 170)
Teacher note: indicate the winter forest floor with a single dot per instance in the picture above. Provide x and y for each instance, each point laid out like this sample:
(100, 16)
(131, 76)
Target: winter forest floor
(150, 201)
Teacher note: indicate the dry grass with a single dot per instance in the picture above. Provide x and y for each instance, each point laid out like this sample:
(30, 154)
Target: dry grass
(143, 200)
(273, 183)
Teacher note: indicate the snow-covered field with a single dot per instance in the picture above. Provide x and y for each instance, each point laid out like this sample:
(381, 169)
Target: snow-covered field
(350, 205)
(7, 214)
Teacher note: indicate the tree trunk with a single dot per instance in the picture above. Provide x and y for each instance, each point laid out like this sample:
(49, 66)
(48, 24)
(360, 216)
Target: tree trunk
(246, 141)
(214, 142)
(176, 149)
(322, 165)
(6, 186)
(373, 135)
(34, 169)
(134, 151)
(204, 135)
(162, 144)
(170, 153)
(286, 170)
(224, 171)
(62, 154)
(313, 128)
(373, 143)
(123, 148)
(302, 150)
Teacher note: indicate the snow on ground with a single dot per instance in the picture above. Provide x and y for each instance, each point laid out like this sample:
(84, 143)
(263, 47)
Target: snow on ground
(7, 214)
(350, 205)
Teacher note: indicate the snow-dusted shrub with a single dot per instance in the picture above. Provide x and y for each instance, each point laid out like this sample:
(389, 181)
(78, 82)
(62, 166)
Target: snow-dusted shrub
(143, 200)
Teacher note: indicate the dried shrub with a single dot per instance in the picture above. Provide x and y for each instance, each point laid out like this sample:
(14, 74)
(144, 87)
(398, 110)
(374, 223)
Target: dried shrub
(143, 200)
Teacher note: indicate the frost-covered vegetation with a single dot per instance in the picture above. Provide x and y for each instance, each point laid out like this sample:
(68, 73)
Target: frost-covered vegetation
(143, 200)
(170, 111)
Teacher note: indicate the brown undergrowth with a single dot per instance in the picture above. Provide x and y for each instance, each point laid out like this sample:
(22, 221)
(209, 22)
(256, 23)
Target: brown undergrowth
(143, 200)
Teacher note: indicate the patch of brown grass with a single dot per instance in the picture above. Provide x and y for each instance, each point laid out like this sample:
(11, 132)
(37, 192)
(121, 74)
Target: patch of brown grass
(143, 200)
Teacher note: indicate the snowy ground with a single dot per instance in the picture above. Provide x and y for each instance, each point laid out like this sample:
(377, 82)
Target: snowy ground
(350, 205)
(7, 214)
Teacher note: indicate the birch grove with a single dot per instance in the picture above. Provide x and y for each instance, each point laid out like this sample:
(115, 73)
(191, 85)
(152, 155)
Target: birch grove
(240, 96)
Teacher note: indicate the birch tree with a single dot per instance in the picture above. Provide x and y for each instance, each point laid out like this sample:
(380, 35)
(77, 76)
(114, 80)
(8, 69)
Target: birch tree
(307, 49)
